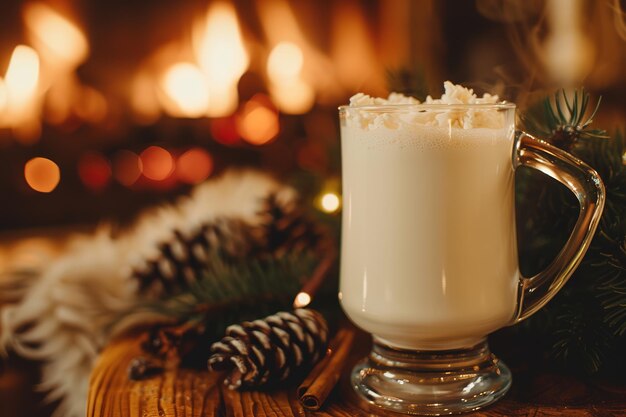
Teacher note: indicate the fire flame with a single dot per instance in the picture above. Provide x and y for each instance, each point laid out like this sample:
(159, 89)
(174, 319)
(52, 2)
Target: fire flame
(58, 39)
(22, 76)
(21, 96)
(222, 56)
(186, 90)
(289, 90)
(4, 96)
(356, 61)
(316, 77)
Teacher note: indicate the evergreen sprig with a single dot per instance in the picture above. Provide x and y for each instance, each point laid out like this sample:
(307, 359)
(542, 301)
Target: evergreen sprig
(230, 292)
(568, 119)
(585, 325)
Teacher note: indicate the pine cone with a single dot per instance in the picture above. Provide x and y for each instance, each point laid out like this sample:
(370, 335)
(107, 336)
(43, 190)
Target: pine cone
(182, 259)
(270, 350)
(285, 228)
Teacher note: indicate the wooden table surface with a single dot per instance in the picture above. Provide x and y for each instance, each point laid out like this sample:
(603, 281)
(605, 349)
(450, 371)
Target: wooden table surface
(189, 393)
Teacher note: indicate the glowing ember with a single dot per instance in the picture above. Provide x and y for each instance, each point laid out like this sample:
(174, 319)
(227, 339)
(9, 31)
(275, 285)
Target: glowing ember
(157, 162)
(330, 202)
(221, 54)
(55, 36)
(258, 122)
(194, 166)
(187, 91)
(94, 170)
(127, 167)
(42, 174)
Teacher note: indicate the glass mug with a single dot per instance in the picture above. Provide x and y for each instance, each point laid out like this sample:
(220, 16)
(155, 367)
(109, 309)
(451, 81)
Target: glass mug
(429, 262)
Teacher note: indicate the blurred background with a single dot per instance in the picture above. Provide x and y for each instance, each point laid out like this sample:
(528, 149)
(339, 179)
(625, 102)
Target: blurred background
(110, 106)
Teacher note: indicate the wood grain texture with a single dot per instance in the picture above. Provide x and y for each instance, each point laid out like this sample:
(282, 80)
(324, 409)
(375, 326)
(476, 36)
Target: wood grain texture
(187, 393)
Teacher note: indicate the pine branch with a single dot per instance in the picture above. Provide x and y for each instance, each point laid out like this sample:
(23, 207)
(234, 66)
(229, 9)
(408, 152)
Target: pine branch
(247, 287)
(588, 318)
(566, 121)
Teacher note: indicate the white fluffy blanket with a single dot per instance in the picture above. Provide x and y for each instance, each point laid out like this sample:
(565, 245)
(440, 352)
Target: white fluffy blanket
(64, 318)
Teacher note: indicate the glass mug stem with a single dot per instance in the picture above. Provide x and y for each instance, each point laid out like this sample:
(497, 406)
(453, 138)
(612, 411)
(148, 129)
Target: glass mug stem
(588, 188)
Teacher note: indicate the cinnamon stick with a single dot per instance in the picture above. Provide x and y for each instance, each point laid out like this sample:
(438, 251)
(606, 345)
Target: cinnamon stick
(323, 378)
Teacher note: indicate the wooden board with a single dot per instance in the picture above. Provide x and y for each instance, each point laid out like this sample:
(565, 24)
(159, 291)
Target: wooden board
(187, 393)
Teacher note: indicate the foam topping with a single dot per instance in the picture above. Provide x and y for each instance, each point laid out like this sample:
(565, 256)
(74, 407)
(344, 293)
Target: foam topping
(358, 115)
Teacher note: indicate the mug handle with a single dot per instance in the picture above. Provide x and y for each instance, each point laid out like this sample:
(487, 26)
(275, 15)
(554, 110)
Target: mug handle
(587, 186)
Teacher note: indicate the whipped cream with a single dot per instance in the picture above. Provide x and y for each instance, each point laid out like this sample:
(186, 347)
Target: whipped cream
(360, 114)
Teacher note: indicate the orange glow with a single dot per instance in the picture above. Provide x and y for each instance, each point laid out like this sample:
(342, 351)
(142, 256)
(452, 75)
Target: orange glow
(127, 167)
(357, 64)
(157, 162)
(187, 91)
(144, 99)
(280, 26)
(293, 96)
(302, 300)
(221, 54)
(224, 130)
(285, 61)
(330, 202)
(4, 96)
(290, 92)
(92, 105)
(258, 121)
(42, 174)
(94, 170)
(22, 78)
(54, 35)
(194, 166)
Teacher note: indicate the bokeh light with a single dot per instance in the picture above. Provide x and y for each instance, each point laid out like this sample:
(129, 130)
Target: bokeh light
(186, 90)
(22, 76)
(94, 170)
(42, 174)
(224, 130)
(194, 166)
(127, 167)
(258, 121)
(55, 34)
(285, 61)
(157, 162)
(330, 202)
(303, 299)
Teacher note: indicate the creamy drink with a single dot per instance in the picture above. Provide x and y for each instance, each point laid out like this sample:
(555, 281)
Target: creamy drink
(429, 258)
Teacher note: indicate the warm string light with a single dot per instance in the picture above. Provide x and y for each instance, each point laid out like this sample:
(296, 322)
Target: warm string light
(302, 300)
(330, 202)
